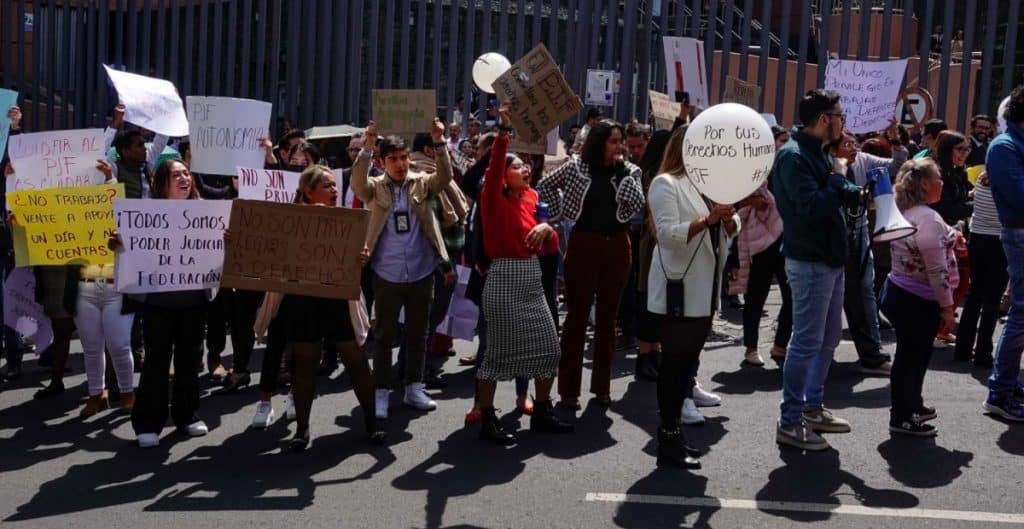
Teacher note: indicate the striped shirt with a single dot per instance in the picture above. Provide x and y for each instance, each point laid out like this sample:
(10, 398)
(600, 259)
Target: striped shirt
(985, 220)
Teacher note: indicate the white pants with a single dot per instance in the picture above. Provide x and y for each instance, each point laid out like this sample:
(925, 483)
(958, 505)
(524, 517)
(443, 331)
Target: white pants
(101, 324)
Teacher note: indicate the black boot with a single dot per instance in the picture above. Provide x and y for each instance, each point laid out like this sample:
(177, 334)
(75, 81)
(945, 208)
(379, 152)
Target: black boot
(544, 419)
(646, 367)
(492, 431)
(672, 450)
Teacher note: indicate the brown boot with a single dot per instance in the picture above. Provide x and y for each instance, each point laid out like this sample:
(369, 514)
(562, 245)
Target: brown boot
(94, 405)
(128, 401)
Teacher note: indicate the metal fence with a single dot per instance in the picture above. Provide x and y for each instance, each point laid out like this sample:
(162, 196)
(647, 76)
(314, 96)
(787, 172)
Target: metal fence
(316, 60)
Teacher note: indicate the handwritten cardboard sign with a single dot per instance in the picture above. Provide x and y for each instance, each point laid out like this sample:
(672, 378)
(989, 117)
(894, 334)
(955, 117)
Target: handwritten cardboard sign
(295, 249)
(8, 99)
(269, 185)
(404, 112)
(540, 98)
(170, 245)
(21, 311)
(225, 133)
(742, 92)
(663, 109)
(149, 102)
(68, 226)
(59, 158)
(869, 91)
(546, 145)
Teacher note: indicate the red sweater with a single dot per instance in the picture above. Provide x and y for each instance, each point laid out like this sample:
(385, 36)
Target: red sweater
(508, 217)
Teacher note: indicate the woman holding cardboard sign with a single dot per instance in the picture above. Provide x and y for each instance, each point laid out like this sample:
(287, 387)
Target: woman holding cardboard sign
(172, 324)
(310, 320)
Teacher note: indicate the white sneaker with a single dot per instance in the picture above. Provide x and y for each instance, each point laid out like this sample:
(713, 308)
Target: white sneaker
(197, 429)
(289, 410)
(416, 396)
(705, 399)
(752, 357)
(691, 415)
(383, 396)
(148, 440)
(264, 414)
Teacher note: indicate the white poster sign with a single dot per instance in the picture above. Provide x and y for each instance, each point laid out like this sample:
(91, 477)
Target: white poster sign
(225, 133)
(150, 103)
(22, 313)
(686, 70)
(869, 91)
(269, 185)
(59, 158)
(601, 87)
(170, 245)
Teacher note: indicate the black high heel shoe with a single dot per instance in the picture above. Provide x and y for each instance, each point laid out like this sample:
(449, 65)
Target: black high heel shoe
(672, 450)
(232, 383)
(300, 441)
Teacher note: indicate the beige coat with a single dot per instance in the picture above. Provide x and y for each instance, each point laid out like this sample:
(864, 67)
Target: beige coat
(675, 203)
(454, 205)
(376, 194)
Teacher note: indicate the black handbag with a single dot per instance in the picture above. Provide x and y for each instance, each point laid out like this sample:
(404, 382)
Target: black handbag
(675, 290)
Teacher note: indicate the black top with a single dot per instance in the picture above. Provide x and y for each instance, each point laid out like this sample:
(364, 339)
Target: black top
(599, 206)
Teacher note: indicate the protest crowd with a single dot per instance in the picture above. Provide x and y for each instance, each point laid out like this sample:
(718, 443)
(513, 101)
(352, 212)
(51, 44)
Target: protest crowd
(612, 245)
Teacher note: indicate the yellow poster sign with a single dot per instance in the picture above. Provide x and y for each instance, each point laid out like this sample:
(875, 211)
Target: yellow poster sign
(64, 226)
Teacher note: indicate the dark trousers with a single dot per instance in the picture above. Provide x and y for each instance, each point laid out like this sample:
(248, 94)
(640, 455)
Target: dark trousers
(177, 334)
(859, 303)
(916, 320)
(988, 282)
(763, 267)
(237, 309)
(277, 341)
(596, 268)
(628, 307)
(681, 342)
(416, 298)
(549, 279)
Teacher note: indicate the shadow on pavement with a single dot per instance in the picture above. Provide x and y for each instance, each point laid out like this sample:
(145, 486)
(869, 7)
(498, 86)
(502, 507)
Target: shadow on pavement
(816, 477)
(666, 482)
(920, 463)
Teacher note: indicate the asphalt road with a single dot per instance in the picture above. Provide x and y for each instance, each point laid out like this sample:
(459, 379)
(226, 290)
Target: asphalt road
(59, 471)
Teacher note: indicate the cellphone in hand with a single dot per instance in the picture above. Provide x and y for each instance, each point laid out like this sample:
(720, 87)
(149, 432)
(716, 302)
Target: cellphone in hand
(683, 97)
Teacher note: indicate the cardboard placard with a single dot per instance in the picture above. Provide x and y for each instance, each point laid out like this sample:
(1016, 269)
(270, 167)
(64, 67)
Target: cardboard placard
(869, 91)
(68, 226)
(225, 133)
(149, 102)
(269, 185)
(663, 109)
(170, 245)
(295, 249)
(404, 113)
(742, 92)
(540, 98)
(547, 145)
(58, 158)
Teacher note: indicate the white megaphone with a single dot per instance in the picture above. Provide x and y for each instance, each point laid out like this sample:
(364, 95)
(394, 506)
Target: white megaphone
(890, 225)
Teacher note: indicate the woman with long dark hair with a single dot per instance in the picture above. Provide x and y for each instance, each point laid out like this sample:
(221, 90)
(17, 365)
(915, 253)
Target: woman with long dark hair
(521, 335)
(600, 191)
(172, 323)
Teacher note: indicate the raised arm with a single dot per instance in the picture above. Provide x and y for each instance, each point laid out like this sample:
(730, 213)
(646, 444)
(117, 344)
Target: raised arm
(361, 169)
(439, 180)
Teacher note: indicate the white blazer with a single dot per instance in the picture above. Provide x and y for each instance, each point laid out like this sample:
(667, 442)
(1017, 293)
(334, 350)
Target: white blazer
(675, 203)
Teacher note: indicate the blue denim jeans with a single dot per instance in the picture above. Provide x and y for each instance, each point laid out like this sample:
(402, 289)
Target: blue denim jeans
(817, 323)
(1006, 367)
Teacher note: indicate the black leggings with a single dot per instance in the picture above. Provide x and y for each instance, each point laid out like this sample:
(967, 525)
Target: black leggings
(237, 308)
(681, 342)
(763, 267)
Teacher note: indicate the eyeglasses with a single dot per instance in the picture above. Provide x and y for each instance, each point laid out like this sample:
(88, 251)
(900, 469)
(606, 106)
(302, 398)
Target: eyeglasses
(842, 117)
(962, 148)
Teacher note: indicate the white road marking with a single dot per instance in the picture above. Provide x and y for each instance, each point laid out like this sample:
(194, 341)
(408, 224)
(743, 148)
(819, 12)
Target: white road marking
(759, 505)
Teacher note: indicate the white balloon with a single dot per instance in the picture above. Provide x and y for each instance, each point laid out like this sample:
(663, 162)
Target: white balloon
(728, 151)
(999, 114)
(487, 68)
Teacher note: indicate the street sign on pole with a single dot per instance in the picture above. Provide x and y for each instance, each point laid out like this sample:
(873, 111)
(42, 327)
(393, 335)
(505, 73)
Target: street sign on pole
(914, 107)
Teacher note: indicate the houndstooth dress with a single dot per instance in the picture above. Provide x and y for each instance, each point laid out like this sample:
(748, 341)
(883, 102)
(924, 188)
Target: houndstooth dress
(521, 337)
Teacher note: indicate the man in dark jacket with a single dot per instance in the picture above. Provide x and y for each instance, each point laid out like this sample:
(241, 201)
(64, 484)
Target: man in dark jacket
(811, 190)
